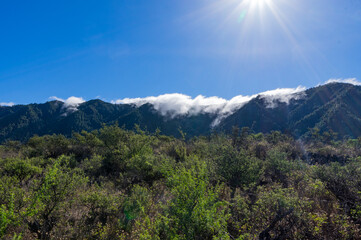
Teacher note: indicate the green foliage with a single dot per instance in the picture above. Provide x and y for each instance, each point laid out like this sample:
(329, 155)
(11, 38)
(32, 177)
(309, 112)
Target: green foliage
(48, 200)
(345, 183)
(195, 212)
(278, 167)
(237, 168)
(49, 146)
(22, 169)
(7, 216)
(119, 184)
(135, 206)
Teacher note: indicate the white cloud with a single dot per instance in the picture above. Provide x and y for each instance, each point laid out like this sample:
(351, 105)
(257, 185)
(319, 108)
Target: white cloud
(352, 81)
(7, 104)
(231, 106)
(71, 104)
(176, 104)
(284, 95)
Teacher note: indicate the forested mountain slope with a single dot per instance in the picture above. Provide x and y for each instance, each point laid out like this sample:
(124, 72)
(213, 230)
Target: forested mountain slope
(335, 106)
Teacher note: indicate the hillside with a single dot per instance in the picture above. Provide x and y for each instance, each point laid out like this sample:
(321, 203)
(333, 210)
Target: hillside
(335, 106)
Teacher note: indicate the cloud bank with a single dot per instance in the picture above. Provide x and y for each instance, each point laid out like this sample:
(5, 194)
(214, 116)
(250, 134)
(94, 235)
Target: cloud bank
(284, 95)
(352, 81)
(7, 104)
(176, 104)
(71, 104)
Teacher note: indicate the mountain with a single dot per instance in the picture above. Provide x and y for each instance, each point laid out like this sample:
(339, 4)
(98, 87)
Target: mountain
(23, 121)
(334, 106)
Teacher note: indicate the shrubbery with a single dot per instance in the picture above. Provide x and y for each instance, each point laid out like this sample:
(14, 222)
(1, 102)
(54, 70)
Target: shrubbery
(119, 184)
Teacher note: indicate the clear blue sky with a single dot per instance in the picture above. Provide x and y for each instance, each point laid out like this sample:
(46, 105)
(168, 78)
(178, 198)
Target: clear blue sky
(136, 48)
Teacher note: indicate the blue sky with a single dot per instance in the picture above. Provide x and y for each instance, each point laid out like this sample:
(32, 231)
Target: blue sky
(115, 49)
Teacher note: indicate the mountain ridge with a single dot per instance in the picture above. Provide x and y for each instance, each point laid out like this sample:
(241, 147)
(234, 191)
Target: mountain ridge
(334, 106)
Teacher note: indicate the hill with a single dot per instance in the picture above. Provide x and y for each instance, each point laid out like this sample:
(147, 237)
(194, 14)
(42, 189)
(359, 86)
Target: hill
(335, 106)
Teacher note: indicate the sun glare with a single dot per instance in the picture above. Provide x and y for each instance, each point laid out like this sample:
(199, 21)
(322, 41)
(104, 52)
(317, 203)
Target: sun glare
(256, 4)
(252, 8)
(259, 27)
(259, 3)
(261, 22)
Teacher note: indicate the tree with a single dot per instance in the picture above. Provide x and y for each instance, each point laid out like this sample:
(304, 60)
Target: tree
(195, 211)
(51, 196)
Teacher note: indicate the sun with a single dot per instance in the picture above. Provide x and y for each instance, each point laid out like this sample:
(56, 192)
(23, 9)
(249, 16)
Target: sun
(260, 3)
(253, 8)
(259, 28)
(256, 4)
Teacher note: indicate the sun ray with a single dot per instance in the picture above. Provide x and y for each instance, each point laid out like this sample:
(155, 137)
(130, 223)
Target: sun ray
(258, 31)
(290, 34)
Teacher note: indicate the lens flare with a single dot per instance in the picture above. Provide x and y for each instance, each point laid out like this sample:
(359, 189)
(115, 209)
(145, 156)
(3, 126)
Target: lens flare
(254, 7)
(242, 16)
(259, 3)
(257, 31)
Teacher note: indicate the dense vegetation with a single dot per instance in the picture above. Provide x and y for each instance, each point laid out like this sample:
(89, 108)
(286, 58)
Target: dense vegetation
(119, 184)
(333, 107)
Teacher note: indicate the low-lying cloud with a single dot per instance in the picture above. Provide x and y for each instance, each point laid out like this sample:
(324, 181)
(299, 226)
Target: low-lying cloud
(176, 104)
(284, 95)
(7, 104)
(352, 81)
(71, 104)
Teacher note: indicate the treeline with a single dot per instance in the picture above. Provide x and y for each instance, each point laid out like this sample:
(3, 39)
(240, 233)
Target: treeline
(119, 184)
